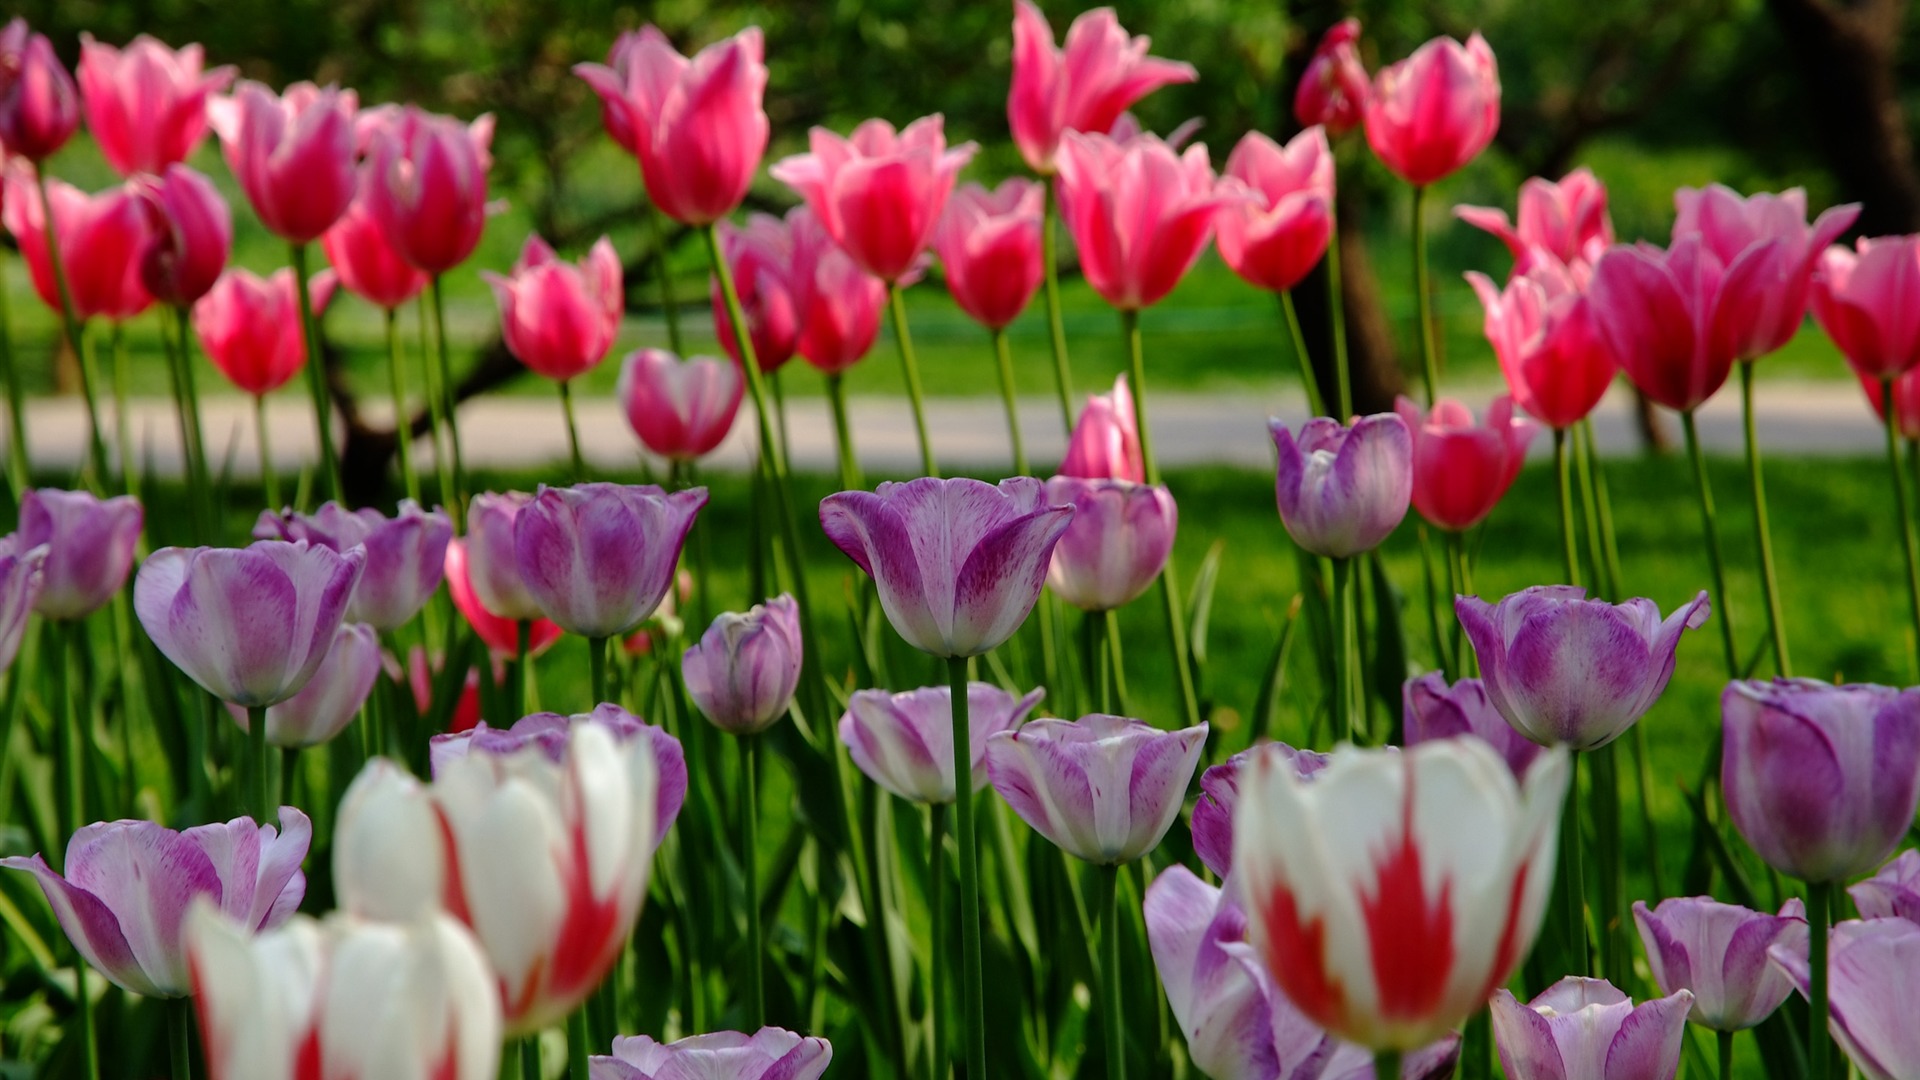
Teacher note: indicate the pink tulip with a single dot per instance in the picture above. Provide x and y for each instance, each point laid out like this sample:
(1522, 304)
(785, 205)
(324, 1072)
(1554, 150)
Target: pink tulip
(1906, 402)
(101, 239)
(1767, 252)
(878, 193)
(250, 326)
(1436, 110)
(1105, 444)
(1542, 330)
(766, 278)
(428, 186)
(499, 633)
(1868, 302)
(560, 318)
(989, 242)
(839, 303)
(146, 104)
(1116, 544)
(39, 108)
(190, 235)
(367, 262)
(697, 125)
(1663, 314)
(680, 409)
(1272, 240)
(292, 153)
(1462, 470)
(1083, 87)
(1334, 89)
(1567, 219)
(1138, 212)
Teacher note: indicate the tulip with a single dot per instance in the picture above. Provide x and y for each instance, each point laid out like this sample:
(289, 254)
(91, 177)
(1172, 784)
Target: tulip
(21, 578)
(1084, 87)
(743, 670)
(428, 186)
(1436, 110)
(1660, 313)
(772, 289)
(1335, 86)
(560, 318)
(1102, 788)
(1564, 669)
(345, 998)
(904, 742)
(989, 243)
(101, 238)
(489, 554)
(1871, 975)
(1586, 1029)
(1115, 545)
(1893, 893)
(146, 104)
(499, 632)
(1718, 952)
(598, 558)
(958, 563)
(697, 125)
(1906, 403)
(1543, 331)
(367, 262)
(1566, 219)
(128, 886)
(1431, 709)
(1105, 443)
(1343, 490)
(420, 673)
(39, 109)
(547, 863)
(1452, 883)
(250, 326)
(768, 1054)
(1768, 253)
(406, 554)
(1273, 239)
(838, 303)
(1821, 780)
(1865, 300)
(90, 544)
(250, 625)
(1220, 793)
(331, 699)
(680, 409)
(292, 153)
(1460, 470)
(1139, 213)
(878, 193)
(190, 235)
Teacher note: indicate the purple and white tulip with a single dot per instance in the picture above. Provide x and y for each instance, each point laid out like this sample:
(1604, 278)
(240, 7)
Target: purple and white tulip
(1342, 490)
(1116, 544)
(1873, 979)
(904, 742)
(768, 1054)
(598, 558)
(1102, 788)
(1220, 793)
(1586, 1029)
(406, 554)
(1433, 710)
(1719, 953)
(743, 670)
(90, 544)
(492, 566)
(332, 698)
(22, 572)
(1893, 893)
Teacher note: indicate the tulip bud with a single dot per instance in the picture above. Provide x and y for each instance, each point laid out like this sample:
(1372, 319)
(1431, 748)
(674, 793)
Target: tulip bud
(1579, 1021)
(331, 699)
(146, 104)
(1213, 811)
(1893, 893)
(293, 153)
(190, 236)
(39, 108)
(1436, 110)
(1106, 441)
(1116, 543)
(743, 670)
(21, 579)
(1274, 238)
(840, 303)
(489, 550)
(1430, 709)
(1083, 87)
(1460, 470)
(406, 554)
(1334, 88)
(90, 544)
(1864, 298)
(250, 327)
(1718, 952)
(989, 242)
(768, 1054)
(598, 558)
(1544, 332)
(680, 409)
(501, 635)
(904, 742)
(1342, 491)
(769, 284)
(1102, 788)
(560, 318)
(101, 237)
(1567, 220)
(368, 265)
(427, 186)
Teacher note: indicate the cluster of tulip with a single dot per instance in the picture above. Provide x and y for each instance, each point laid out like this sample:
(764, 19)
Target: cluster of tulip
(489, 879)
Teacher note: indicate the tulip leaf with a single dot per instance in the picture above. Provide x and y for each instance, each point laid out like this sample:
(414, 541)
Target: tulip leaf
(1265, 706)
(1200, 609)
(1390, 669)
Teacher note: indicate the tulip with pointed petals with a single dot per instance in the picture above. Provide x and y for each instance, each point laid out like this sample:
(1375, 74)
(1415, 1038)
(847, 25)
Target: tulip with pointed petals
(1461, 470)
(90, 544)
(102, 238)
(1586, 1029)
(21, 578)
(1542, 330)
(904, 742)
(598, 558)
(1394, 892)
(1821, 780)
(768, 1054)
(1116, 544)
(1105, 444)
(1873, 979)
(128, 885)
(837, 302)
(1220, 793)
(680, 409)
(744, 669)
(1102, 788)
(1718, 952)
(368, 264)
(772, 286)
(427, 186)
(146, 104)
(1273, 239)
(39, 105)
(1768, 253)
(292, 152)
(1085, 86)
(989, 243)
(1431, 709)
(560, 318)
(1906, 402)
(1868, 302)
(1566, 219)
(958, 563)
(406, 554)
(493, 568)
(250, 326)
(1436, 110)
(250, 625)
(1893, 893)
(1335, 86)
(331, 699)
(1343, 490)
(190, 235)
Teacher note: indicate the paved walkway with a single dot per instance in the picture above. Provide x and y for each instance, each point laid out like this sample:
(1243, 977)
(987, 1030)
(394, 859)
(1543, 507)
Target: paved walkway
(500, 432)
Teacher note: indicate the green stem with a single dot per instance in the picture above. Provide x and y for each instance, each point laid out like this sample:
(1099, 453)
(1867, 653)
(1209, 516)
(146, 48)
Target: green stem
(1609, 542)
(1337, 319)
(1005, 357)
(664, 275)
(436, 428)
(850, 478)
(530, 1068)
(780, 413)
(1901, 509)
(750, 868)
(523, 666)
(937, 970)
(1769, 583)
(196, 486)
(577, 1045)
(88, 1040)
(1111, 1018)
(597, 670)
(289, 769)
(1056, 326)
(1725, 1039)
(1572, 886)
(180, 1036)
(190, 382)
(1475, 1044)
(71, 325)
(1308, 383)
(910, 368)
(1562, 471)
(1615, 952)
(83, 362)
(1342, 658)
(449, 408)
(1429, 364)
(1590, 514)
(402, 420)
(122, 416)
(269, 476)
(1090, 663)
(971, 989)
(573, 432)
(1457, 584)
(1819, 917)
(316, 376)
(18, 472)
(1119, 662)
(1386, 1063)
(260, 797)
(1703, 487)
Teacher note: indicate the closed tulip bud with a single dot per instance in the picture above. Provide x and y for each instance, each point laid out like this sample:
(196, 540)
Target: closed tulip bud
(879, 193)
(680, 409)
(773, 288)
(768, 1054)
(743, 670)
(1116, 544)
(1864, 300)
(904, 742)
(1430, 709)
(1436, 110)
(293, 153)
(1103, 788)
(1821, 780)
(1893, 893)
(21, 578)
(1768, 253)
(494, 569)
(146, 104)
(39, 106)
(427, 186)
(1566, 219)
(1448, 870)
(1462, 470)
(1543, 331)
(1085, 86)
(1343, 490)
(331, 699)
(1586, 1029)
(560, 318)
(958, 563)
(190, 235)
(1105, 444)
(90, 544)
(989, 243)
(368, 264)
(1873, 978)
(101, 239)
(1906, 403)
(406, 554)
(1220, 794)
(346, 999)
(1567, 670)
(250, 326)
(250, 625)
(839, 303)
(598, 558)
(128, 885)
(1718, 953)
(1272, 239)
(1335, 86)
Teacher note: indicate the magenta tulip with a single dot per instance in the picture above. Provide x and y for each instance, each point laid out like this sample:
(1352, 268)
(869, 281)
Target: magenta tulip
(102, 238)
(904, 742)
(1718, 952)
(331, 699)
(21, 576)
(560, 318)
(250, 326)
(1461, 470)
(1586, 1029)
(1102, 788)
(744, 669)
(1893, 893)
(1220, 794)
(1868, 302)
(770, 283)
(598, 558)
(428, 186)
(1116, 544)
(1272, 240)
(1566, 219)
(293, 153)
(1335, 86)
(90, 544)
(146, 104)
(366, 261)
(490, 558)
(1543, 331)
(1105, 444)
(680, 409)
(1342, 491)
(768, 1054)
(1906, 402)
(1430, 709)
(1872, 979)
(190, 235)
(838, 303)
(406, 554)
(1085, 86)
(989, 243)
(39, 105)
(1767, 252)
(1436, 110)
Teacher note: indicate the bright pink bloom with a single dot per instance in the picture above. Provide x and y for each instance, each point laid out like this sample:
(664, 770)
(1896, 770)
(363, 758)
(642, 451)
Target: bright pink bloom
(102, 237)
(1139, 213)
(989, 242)
(1272, 240)
(839, 303)
(1105, 444)
(761, 257)
(1868, 302)
(501, 634)
(1334, 89)
(1567, 219)
(367, 262)
(1462, 470)
(292, 153)
(560, 318)
(1083, 87)
(878, 193)
(680, 409)
(146, 104)
(191, 235)
(428, 186)
(1436, 110)
(250, 326)
(1767, 253)
(39, 107)
(1906, 403)
(1542, 330)
(697, 125)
